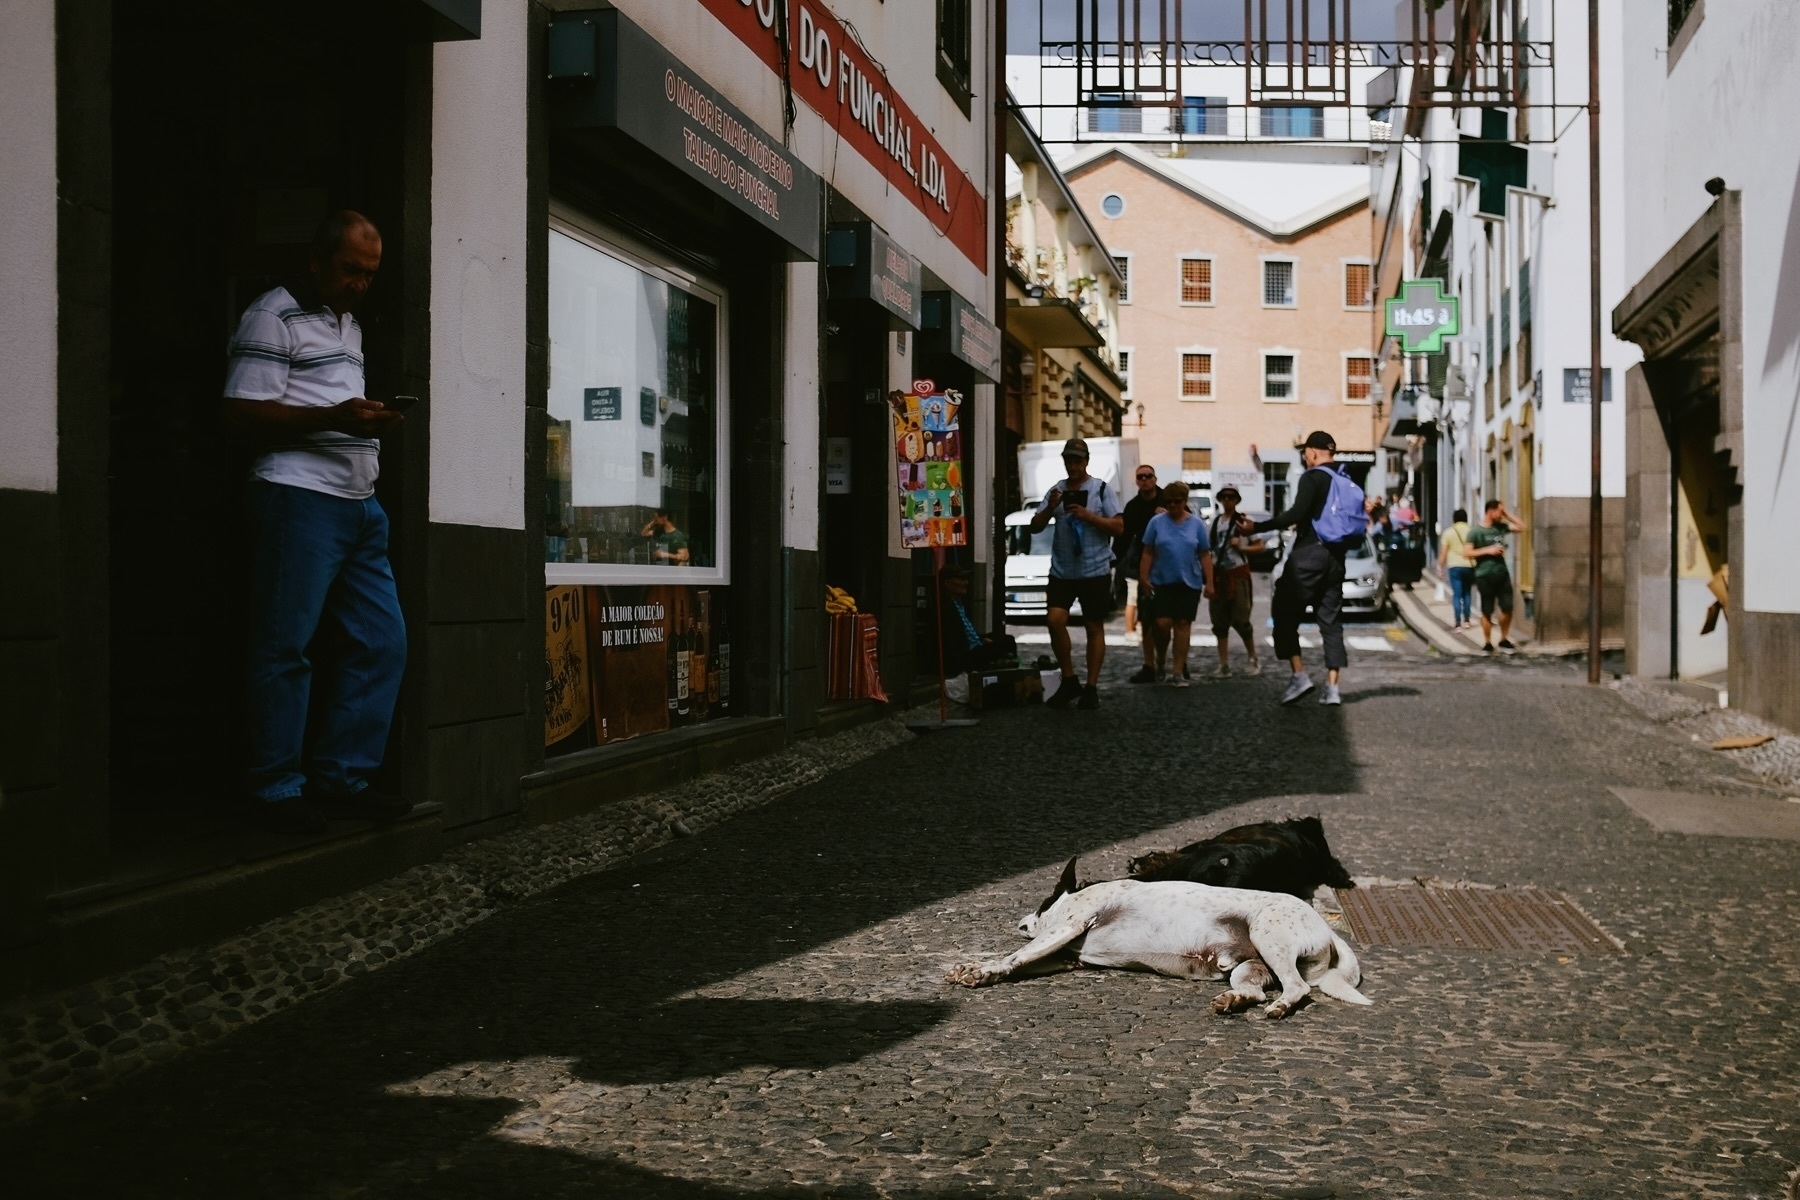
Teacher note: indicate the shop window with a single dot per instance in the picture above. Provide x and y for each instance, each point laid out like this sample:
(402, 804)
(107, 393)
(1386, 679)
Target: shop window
(1278, 377)
(1196, 281)
(1196, 375)
(634, 479)
(1359, 379)
(1123, 263)
(1359, 285)
(1278, 283)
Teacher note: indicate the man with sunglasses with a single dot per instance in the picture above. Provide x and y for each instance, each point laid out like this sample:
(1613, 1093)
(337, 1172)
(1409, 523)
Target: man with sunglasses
(1088, 518)
(1138, 511)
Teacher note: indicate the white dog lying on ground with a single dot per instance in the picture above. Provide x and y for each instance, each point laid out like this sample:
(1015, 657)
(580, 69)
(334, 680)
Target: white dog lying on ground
(1188, 930)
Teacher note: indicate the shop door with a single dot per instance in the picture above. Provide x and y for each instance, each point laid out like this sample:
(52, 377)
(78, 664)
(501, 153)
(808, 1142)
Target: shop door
(858, 422)
(225, 157)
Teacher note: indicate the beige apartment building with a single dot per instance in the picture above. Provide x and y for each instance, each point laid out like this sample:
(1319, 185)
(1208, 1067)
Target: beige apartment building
(1246, 317)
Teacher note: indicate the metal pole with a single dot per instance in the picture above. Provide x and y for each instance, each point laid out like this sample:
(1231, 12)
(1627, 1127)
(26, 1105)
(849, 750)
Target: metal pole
(1596, 380)
(997, 421)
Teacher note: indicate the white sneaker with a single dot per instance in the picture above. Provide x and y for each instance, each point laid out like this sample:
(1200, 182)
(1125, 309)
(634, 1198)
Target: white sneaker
(1255, 667)
(1297, 687)
(1224, 671)
(1330, 695)
(1178, 681)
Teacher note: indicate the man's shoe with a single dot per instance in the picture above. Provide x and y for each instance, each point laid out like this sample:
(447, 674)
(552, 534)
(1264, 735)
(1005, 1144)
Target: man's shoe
(290, 814)
(1224, 671)
(1487, 647)
(1178, 681)
(1090, 697)
(1507, 646)
(366, 805)
(1297, 687)
(1066, 691)
(1144, 675)
(1330, 695)
(1255, 667)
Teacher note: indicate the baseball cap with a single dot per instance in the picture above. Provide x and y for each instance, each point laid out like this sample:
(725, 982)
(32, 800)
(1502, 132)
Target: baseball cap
(1318, 439)
(1075, 446)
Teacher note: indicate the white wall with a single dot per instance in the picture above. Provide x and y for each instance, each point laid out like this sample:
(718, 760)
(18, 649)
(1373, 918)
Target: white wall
(1723, 108)
(28, 292)
(478, 282)
(801, 406)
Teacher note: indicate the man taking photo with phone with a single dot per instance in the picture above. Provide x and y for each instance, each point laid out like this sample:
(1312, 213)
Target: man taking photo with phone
(1088, 518)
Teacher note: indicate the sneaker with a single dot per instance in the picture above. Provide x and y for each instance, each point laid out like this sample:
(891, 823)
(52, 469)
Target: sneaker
(370, 804)
(1178, 681)
(1144, 675)
(1090, 697)
(1224, 671)
(1507, 646)
(290, 814)
(1255, 667)
(1297, 687)
(1330, 695)
(1487, 647)
(1064, 694)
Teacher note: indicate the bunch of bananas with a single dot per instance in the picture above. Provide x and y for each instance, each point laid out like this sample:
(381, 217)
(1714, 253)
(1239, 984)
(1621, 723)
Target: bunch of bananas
(837, 600)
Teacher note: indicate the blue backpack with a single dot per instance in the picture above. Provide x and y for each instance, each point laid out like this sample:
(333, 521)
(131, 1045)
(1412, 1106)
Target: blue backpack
(1343, 518)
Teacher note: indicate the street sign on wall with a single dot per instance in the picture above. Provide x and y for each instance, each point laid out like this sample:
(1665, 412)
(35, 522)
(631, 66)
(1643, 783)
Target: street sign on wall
(1422, 316)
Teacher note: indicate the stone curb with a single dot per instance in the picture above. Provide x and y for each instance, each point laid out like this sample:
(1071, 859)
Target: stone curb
(63, 1046)
(1776, 762)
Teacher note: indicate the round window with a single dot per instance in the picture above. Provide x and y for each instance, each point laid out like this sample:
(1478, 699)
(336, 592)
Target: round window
(1112, 204)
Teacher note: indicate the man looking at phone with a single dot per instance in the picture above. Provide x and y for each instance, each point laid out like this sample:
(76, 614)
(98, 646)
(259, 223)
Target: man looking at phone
(294, 385)
(1088, 518)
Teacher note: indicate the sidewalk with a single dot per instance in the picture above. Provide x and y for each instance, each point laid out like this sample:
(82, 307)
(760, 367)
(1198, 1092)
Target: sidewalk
(1427, 612)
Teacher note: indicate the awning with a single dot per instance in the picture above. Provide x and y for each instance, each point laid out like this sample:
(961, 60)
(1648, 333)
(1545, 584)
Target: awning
(958, 328)
(1051, 323)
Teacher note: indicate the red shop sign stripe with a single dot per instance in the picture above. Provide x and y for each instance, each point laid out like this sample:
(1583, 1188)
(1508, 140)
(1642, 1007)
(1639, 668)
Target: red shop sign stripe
(837, 80)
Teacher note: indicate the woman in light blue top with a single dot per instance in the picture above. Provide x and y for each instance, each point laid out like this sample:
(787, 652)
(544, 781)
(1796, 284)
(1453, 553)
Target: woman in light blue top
(1176, 570)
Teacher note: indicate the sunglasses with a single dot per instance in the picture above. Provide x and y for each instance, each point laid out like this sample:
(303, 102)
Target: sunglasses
(1146, 475)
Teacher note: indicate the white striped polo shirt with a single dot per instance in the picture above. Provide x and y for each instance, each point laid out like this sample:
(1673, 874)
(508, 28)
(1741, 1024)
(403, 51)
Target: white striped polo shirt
(309, 358)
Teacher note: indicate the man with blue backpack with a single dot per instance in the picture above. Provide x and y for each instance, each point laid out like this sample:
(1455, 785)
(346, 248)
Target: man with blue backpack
(1328, 516)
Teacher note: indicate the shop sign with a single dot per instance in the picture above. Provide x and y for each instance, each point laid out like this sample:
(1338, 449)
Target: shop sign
(565, 664)
(1578, 385)
(830, 71)
(928, 450)
(837, 466)
(646, 406)
(874, 267)
(964, 332)
(602, 404)
(1247, 480)
(1422, 316)
(608, 73)
(1355, 457)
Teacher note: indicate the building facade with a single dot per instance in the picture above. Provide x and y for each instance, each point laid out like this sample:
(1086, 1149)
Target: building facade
(649, 266)
(1492, 204)
(1244, 319)
(1711, 250)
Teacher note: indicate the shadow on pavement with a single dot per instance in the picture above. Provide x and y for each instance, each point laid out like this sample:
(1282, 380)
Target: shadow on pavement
(1375, 693)
(597, 972)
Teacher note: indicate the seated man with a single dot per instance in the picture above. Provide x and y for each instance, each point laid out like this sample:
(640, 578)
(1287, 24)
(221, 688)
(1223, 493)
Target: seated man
(966, 648)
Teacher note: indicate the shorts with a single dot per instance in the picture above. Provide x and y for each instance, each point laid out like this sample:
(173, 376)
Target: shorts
(1130, 592)
(1175, 602)
(1095, 595)
(1495, 589)
(1230, 606)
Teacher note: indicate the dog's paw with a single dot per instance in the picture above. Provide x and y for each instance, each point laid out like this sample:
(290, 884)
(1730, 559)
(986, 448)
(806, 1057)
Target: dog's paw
(971, 975)
(1226, 1003)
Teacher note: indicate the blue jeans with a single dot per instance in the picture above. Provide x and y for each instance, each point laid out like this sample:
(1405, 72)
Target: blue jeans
(1462, 586)
(320, 559)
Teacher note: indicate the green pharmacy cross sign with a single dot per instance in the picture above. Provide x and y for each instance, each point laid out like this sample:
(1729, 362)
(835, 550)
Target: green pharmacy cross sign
(1421, 316)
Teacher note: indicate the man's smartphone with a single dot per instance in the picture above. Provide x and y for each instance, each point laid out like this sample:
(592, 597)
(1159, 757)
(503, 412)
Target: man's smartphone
(1075, 497)
(400, 404)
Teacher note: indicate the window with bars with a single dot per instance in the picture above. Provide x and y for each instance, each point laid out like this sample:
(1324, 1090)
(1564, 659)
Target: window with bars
(1196, 281)
(1109, 114)
(1359, 285)
(1292, 121)
(1278, 283)
(1359, 379)
(1123, 263)
(1196, 375)
(1125, 371)
(1203, 116)
(1196, 458)
(1278, 377)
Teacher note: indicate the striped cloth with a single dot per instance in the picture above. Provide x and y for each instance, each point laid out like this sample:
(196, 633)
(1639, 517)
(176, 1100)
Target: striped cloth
(310, 358)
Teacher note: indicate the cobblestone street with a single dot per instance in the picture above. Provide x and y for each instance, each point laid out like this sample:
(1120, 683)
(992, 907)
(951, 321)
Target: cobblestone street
(758, 1010)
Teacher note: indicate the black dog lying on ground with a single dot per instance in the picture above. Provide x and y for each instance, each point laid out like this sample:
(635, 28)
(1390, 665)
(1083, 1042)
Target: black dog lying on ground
(1272, 856)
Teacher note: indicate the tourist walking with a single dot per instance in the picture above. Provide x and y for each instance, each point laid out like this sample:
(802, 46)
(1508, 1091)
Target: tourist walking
(1138, 511)
(1455, 565)
(1177, 569)
(1487, 546)
(1234, 588)
(1328, 516)
(1088, 518)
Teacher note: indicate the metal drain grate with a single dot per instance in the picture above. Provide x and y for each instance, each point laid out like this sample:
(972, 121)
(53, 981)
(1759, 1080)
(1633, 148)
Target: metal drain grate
(1524, 920)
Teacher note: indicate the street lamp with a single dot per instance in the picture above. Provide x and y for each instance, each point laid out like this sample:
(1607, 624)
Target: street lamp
(1068, 395)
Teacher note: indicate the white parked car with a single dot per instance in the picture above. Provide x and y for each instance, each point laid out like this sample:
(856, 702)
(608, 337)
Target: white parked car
(1365, 577)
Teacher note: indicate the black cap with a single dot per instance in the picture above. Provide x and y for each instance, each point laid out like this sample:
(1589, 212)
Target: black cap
(1318, 439)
